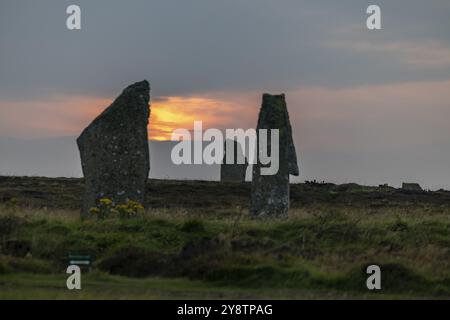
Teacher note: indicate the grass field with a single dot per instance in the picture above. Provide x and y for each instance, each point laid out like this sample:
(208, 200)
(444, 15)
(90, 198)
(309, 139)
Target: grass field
(196, 241)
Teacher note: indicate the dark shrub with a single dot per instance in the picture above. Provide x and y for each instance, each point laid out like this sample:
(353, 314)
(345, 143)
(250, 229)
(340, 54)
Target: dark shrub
(193, 226)
(17, 248)
(135, 262)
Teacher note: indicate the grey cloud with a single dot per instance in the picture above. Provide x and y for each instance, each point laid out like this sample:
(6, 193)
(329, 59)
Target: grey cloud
(196, 46)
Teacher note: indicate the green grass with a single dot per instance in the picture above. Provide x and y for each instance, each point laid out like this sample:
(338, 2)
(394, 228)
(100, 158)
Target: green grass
(204, 245)
(99, 286)
(303, 254)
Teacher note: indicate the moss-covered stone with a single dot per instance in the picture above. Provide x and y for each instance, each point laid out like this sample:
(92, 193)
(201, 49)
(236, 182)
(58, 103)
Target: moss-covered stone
(270, 193)
(114, 150)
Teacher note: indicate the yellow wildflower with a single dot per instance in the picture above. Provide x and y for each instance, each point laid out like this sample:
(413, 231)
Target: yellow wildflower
(94, 210)
(105, 202)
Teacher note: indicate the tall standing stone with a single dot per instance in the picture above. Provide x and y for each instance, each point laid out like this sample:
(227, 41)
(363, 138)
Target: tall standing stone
(235, 171)
(270, 193)
(114, 150)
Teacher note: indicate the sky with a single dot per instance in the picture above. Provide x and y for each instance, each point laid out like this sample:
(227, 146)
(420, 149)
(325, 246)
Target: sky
(366, 106)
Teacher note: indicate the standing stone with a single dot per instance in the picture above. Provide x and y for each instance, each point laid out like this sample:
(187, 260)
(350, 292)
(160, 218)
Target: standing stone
(413, 187)
(270, 193)
(233, 172)
(114, 150)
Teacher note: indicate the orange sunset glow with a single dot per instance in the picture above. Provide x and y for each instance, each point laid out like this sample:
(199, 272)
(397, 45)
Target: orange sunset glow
(67, 116)
(170, 113)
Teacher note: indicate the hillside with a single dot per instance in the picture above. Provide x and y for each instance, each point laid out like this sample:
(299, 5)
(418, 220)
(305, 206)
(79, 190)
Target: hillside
(196, 240)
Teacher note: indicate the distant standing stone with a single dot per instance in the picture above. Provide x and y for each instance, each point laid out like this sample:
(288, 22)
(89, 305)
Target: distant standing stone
(414, 187)
(114, 150)
(233, 172)
(270, 193)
